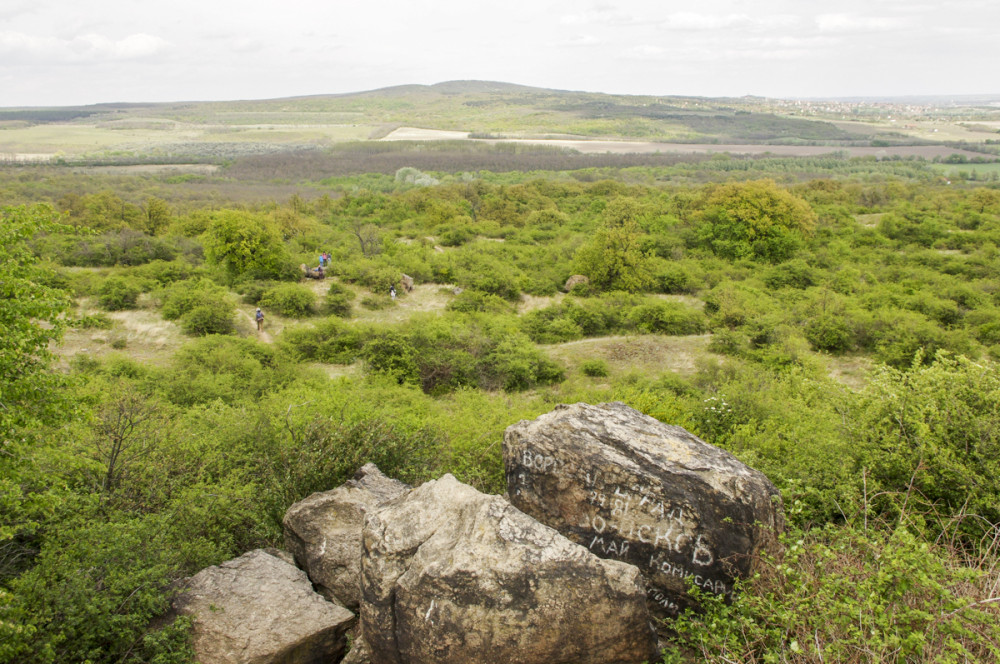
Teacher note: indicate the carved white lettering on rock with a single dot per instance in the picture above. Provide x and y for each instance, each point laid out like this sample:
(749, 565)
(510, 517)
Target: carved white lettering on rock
(635, 489)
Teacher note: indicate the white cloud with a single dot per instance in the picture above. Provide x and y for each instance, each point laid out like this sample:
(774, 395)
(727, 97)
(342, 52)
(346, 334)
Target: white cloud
(599, 16)
(855, 23)
(580, 40)
(99, 47)
(647, 52)
(83, 48)
(693, 21)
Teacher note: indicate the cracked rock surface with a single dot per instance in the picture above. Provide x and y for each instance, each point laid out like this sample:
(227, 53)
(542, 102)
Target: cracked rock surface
(453, 575)
(258, 609)
(323, 531)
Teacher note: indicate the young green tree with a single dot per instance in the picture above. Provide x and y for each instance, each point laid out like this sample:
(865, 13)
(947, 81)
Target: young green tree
(30, 318)
(757, 220)
(246, 244)
(614, 259)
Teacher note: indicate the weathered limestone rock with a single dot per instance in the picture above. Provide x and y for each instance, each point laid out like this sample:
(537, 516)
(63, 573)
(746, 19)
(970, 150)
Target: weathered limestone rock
(257, 609)
(323, 531)
(574, 280)
(631, 488)
(451, 575)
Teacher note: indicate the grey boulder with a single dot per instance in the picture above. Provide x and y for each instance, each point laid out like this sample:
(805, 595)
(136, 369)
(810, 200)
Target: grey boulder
(323, 531)
(631, 488)
(257, 609)
(451, 575)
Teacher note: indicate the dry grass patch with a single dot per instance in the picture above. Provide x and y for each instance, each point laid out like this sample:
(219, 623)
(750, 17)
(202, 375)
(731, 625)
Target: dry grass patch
(869, 220)
(423, 298)
(146, 336)
(649, 354)
(851, 371)
(533, 302)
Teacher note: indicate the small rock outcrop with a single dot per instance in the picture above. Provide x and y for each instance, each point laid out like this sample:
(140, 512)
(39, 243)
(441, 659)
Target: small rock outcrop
(323, 531)
(451, 575)
(575, 280)
(631, 488)
(258, 609)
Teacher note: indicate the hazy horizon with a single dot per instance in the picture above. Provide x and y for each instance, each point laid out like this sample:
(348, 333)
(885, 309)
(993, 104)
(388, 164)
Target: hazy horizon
(56, 53)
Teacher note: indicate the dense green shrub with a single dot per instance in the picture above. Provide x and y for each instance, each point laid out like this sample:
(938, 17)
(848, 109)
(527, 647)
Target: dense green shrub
(932, 440)
(125, 247)
(225, 368)
(472, 301)
(292, 300)
(595, 368)
(375, 276)
(758, 220)
(182, 296)
(208, 319)
(391, 354)
(167, 272)
(515, 364)
(843, 595)
(667, 318)
(330, 340)
(791, 274)
(337, 301)
(675, 279)
(92, 593)
(98, 321)
(829, 332)
(248, 245)
(118, 293)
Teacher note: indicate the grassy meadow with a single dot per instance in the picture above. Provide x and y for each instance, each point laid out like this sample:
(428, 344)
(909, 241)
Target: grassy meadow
(832, 321)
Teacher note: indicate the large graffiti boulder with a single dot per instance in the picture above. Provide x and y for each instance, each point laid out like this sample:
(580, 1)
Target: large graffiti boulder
(631, 488)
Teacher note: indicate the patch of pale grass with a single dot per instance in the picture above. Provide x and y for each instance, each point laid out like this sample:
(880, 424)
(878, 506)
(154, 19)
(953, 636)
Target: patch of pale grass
(851, 370)
(422, 299)
(147, 338)
(869, 220)
(650, 354)
(533, 302)
(338, 370)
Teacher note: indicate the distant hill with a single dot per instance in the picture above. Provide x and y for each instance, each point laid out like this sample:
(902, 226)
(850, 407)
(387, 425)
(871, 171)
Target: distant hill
(223, 130)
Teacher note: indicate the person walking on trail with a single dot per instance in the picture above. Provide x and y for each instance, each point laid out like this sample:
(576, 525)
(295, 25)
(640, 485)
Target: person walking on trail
(259, 317)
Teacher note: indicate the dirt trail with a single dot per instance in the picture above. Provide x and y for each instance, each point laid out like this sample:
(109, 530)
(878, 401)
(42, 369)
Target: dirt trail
(262, 335)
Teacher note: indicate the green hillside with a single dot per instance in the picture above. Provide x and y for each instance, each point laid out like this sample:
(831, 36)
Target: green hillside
(833, 321)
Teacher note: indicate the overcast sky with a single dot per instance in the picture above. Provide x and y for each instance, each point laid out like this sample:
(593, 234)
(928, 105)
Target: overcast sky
(62, 52)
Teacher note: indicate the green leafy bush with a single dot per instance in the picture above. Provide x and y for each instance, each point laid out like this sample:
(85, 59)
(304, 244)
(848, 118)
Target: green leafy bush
(292, 300)
(471, 301)
(843, 595)
(225, 368)
(208, 319)
(118, 293)
(391, 354)
(667, 318)
(758, 220)
(330, 340)
(338, 300)
(98, 321)
(594, 368)
(932, 439)
(200, 306)
(167, 272)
